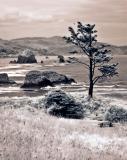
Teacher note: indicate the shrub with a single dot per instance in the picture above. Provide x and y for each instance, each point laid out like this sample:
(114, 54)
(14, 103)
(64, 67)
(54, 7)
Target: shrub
(60, 104)
(115, 114)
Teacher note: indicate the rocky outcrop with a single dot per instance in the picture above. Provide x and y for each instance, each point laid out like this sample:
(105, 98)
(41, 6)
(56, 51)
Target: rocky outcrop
(4, 79)
(27, 57)
(57, 78)
(59, 104)
(46, 78)
(61, 59)
(36, 79)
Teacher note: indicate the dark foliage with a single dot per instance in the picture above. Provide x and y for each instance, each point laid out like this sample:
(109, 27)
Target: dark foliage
(59, 104)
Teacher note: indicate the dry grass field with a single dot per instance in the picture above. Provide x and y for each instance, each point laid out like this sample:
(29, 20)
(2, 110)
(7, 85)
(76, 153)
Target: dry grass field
(29, 134)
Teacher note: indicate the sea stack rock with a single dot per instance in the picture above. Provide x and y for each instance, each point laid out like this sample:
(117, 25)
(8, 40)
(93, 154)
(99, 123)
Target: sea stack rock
(27, 56)
(4, 79)
(45, 78)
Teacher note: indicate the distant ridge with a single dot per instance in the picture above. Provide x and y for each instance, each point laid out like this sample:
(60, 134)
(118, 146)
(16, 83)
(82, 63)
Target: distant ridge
(55, 45)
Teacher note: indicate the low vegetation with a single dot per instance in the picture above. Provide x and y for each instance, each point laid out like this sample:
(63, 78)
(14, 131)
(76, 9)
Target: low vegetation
(28, 133)
(116, 114)
(60, 104)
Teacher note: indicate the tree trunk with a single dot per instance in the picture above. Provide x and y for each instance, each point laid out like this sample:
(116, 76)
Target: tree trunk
(91, 79)
(91, 90)
(90, 72)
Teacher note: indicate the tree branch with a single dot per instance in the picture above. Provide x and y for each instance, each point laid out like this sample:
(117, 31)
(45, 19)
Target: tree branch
(76, 60)
(94, 68)
(83, 48)
(97, 78)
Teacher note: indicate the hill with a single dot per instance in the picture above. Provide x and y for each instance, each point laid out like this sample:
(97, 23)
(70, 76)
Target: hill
(46, 46)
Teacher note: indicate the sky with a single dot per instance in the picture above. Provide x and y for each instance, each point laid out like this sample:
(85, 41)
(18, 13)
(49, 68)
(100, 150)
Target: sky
(45, 18)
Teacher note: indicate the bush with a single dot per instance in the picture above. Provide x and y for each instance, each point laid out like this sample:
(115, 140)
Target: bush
(60, 104)
(115, 114)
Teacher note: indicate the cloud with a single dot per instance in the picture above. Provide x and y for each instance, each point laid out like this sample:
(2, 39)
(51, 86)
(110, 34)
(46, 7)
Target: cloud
(104, 11)
(45, 10)
(52, 17)
(26, 17)
(32, 10)
(17, 15)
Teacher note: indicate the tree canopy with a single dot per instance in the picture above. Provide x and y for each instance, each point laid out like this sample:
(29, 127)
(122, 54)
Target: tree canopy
(99, 56)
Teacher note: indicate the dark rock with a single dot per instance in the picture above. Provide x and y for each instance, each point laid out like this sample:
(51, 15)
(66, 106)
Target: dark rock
(57, 78)
(59, 104)
(73, 51)
(4, 79)
(36, 79)
(71, 60)
(3, 50)
(12, 81)
(105, 124)
(26, 57)
(61, 59)
(13, 62)
(115, 114)
(68, 61)
(46, 78)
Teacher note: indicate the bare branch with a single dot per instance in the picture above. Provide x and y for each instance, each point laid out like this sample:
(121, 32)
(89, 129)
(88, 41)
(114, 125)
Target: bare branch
(76, 60)
(97, 78)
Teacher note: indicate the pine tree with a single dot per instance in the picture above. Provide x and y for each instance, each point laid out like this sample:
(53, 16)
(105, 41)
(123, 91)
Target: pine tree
(98, 54)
